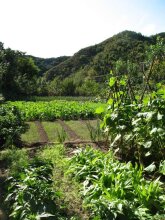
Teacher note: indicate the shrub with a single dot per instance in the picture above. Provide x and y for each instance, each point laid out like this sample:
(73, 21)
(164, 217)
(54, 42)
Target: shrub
(11, 126)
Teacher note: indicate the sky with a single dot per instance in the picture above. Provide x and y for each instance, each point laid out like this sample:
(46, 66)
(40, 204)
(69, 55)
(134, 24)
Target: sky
(53, 28)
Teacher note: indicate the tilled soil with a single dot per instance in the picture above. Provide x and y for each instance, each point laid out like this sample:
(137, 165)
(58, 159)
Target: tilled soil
(42, 134)
(73, 136)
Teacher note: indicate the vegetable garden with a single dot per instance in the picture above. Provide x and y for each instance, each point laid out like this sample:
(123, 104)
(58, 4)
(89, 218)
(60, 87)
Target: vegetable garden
(124, 181)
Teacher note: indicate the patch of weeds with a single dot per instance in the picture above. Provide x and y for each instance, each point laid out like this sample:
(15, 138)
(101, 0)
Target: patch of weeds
(96, 133)
(70, 199)
(61, 135)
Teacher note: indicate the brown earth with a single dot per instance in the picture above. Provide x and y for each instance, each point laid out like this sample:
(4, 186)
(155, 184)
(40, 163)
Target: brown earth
(42, 134)
(69, 131)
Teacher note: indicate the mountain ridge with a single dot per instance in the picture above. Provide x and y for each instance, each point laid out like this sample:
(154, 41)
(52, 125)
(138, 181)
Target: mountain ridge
(99, 58)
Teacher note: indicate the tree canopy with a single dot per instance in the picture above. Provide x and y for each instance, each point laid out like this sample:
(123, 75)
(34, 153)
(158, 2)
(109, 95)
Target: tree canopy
(18, 74)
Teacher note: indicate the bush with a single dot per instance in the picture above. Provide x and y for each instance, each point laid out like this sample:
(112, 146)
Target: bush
(11, 126)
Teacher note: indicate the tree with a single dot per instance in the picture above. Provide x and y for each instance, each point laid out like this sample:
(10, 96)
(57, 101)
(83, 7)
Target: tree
(2, 63)
(19, 78)
(88, 88)
(68, 87)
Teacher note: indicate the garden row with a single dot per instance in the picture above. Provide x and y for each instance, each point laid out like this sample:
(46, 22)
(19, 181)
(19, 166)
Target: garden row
(60, 131)
(53, 110)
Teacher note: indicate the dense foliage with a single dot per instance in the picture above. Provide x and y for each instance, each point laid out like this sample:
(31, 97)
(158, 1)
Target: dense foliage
(138, 131)
(44, 64)
(11, 126)
(115, 190)
(56, 110)
(30, 195)
(18, 74)
(89, 68)
(136, 122)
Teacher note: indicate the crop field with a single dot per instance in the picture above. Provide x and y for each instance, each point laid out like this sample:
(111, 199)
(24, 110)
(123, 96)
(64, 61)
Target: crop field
(53, 110)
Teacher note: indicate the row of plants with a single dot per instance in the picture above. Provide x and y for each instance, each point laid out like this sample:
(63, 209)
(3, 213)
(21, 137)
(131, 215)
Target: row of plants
(56, 110)
(30, 195)
(115, 190)
(37, 187)
(66, 98)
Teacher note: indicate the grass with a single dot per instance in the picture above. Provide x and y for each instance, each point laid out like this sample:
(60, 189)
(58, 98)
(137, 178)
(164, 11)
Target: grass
(52, 129)
(81, 129)
(32, 134)
(70, 198)
(55, 131)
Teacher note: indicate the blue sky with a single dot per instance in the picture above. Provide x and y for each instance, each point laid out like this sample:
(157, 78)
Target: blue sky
(52, 28)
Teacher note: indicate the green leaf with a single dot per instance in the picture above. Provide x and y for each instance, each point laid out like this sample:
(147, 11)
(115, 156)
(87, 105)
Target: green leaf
(147, 154)
(122, 82)
(111, 73)
(99, 110)
(120, 207)
(112, 81)
(159, 116)
(45, 215)
(147, 144)
(150, 168)
(154, 130)
(116, 139)
(110, 101)
(158, 85)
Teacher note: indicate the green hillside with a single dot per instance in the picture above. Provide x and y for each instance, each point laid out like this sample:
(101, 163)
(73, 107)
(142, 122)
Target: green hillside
(83, 74)
(44, 64)
(99, 59)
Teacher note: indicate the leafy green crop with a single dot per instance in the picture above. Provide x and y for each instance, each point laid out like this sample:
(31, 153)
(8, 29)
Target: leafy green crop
(30, 194)
(115, 190)
(56, 109)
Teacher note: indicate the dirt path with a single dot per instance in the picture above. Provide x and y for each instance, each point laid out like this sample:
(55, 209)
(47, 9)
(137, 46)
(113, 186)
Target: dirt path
(73, 136)
(42, 134)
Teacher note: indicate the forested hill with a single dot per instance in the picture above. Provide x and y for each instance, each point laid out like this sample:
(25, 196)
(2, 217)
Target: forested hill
(98, 59)
(48, 63)
(83, 74)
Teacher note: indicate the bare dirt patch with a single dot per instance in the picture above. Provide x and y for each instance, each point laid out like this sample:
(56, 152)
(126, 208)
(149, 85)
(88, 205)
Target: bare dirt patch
(42, 134)
(69, 131)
